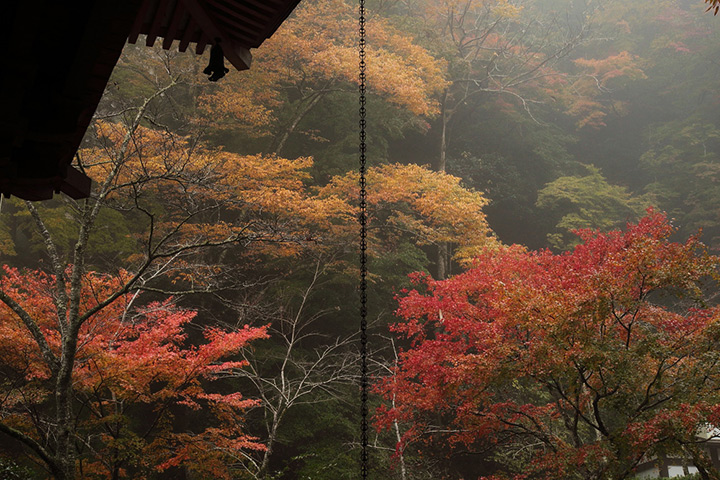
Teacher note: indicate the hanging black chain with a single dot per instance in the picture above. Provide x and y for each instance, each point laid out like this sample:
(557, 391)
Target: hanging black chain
(362, 218)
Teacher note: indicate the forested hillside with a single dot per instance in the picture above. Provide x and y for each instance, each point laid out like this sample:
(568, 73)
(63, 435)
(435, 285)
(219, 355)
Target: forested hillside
(197, 316)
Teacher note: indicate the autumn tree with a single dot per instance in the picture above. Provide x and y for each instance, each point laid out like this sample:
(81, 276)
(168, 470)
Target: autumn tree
(314, 55)
(565, 366)
(70, 311)
(587, 201)
(310, 360)
(180, 203)
(589, 95)
(409, 203)
(134, 375)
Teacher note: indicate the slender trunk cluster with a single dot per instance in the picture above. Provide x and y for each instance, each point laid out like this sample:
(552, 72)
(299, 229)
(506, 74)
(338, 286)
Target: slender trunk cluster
(443, 258)
(59, 451)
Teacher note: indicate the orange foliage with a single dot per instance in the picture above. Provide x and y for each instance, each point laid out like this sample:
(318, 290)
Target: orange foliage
(623, 64)
(202, 195)
(266, 198)
(127, 361)
(315, 52)
(430, 206)
(584, 96)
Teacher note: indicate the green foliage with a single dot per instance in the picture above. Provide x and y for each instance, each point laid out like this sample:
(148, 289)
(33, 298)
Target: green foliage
(314, 432)
(587, 201)
(111, 242)
(7, 245)
(683, 162)
(330, 132)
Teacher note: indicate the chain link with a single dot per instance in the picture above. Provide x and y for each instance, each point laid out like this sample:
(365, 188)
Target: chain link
(363, 253)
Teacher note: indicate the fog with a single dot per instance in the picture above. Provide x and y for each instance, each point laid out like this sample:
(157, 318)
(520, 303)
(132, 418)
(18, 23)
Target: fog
(197, 316)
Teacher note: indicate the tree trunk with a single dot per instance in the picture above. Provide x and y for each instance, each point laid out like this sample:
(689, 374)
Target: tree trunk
(280, 140)
(702, 463)
(65, 452)
(441, 271)
(272, 436)
(442, 262)
(441, 161)
(401, 453)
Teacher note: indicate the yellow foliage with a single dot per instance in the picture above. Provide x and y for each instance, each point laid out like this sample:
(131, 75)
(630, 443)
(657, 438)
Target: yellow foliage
(200, 194)
(430, 206)
(503, 8)
(584, 95)
(314, 52)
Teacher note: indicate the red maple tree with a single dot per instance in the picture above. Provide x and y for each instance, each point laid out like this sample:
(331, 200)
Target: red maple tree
(578, 365)
(137, 382)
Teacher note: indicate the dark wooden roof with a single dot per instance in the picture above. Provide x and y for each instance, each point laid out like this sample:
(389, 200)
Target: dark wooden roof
(240, 24)
(62, 56)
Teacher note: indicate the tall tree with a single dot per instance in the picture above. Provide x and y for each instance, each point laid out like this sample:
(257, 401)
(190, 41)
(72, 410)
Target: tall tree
(182, 202)
(565, 366)
(132, 372)
(497, 53)
(492, 49)
(313, 55)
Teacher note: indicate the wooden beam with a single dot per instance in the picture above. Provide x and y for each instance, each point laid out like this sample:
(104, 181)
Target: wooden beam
(175, 22)
(233, 13)
(264, 4)
(157, 22)
(139, 21)
(187, 34)
(201, 43)
(75, 184)
(237, 55)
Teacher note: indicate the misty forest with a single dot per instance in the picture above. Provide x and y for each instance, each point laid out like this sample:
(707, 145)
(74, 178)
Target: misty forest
(543, 224)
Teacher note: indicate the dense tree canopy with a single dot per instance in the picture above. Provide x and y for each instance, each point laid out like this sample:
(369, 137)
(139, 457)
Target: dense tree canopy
(135, 377)
(495, 128)
(576, 365)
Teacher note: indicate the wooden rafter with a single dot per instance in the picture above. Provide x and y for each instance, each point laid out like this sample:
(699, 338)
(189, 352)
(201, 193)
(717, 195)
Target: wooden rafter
(44, 121)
